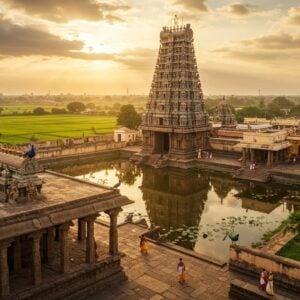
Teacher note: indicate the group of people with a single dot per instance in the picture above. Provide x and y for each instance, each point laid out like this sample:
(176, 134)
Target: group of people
(266, 282)
(266, 278)
(180, 265)
(204, 154)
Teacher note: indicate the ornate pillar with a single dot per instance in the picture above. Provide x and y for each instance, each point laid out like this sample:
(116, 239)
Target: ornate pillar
(4, 271)
(36, 258)
(64, 249)
(81, 235)
(113, 230)
(17, 254)
(90, 241)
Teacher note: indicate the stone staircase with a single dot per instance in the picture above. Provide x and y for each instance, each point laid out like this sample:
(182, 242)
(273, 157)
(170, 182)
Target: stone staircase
(259, 175)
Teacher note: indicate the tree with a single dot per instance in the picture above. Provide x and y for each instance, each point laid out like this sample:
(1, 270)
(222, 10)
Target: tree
(91, 106)
(57, 111)
(75, 107)
(249, 111)
(278, 105)
(39, 111)
(128, 117)
(1, 110)
(295, 111)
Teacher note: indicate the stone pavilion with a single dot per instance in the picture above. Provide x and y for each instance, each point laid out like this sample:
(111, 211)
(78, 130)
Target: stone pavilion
(47, 244)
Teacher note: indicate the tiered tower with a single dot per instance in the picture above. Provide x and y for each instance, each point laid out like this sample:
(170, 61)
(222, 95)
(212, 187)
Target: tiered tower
(175, 121)
(224, 115)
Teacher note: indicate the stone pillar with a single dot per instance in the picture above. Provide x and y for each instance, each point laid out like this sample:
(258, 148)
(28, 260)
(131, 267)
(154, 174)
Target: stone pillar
(17, 254)
(36, 258)
(252, 155)
(81, 235)
(270, 159)
(4, 271)
(244, 158)
(113, 230)
(50, 244)
(276, 157)
(64, 249)
(90, 240)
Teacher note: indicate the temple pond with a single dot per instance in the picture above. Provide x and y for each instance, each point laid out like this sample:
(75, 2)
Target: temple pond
(195, 209)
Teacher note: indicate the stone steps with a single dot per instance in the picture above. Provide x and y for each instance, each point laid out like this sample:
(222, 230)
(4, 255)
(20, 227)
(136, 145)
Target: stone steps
(242, 290)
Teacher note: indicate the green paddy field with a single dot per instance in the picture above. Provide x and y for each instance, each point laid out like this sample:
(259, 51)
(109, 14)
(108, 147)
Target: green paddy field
(22, 129)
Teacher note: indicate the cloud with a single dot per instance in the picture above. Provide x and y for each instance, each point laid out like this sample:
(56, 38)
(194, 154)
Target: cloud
(138, 58)
(270, 48)
(67, 10)
(279, 41)
(194, 5)
(19, 40)
(240, 9)
(294, 16)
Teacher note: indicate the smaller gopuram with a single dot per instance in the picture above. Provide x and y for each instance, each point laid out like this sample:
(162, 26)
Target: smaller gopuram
(175, 123)
(224, 115)
(47, 240)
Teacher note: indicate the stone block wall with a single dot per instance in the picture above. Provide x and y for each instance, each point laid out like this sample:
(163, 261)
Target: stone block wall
(251, 262)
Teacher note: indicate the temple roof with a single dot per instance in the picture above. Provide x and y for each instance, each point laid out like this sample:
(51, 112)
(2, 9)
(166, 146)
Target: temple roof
(64, 198)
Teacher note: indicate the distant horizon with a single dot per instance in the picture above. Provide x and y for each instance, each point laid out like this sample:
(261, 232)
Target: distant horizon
(144, 95)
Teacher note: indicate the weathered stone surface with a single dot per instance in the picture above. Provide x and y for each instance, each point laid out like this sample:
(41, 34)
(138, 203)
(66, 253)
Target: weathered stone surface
(152, 284)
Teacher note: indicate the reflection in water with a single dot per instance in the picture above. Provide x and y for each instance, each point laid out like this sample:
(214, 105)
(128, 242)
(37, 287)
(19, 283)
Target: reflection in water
(195, 209)
(175, 199)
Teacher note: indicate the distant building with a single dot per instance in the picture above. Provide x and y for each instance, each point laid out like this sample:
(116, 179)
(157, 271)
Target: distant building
(269, 146)
(125, 134)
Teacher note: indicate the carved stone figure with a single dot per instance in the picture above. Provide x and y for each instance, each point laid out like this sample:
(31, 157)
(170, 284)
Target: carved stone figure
(13, 192)
(31, 191)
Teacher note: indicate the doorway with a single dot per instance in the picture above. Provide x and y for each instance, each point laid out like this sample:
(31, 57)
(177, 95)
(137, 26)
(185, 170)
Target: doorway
(161, 143)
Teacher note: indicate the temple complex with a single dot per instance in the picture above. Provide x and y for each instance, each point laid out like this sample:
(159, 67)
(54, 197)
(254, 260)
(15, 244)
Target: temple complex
(47, 243)
(175, 123)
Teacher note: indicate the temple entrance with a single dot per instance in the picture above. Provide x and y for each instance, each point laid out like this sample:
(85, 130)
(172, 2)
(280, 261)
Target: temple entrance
(161, 143)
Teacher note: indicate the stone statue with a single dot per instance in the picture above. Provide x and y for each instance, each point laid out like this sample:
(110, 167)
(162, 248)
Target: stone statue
(31, 191)
(13, 192)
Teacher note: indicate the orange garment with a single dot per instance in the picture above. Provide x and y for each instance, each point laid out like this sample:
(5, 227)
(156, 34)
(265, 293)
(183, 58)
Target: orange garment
(181, 272)
(143, 246)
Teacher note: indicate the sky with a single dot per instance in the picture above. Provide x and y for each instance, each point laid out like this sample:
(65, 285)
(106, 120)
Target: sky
(110, 47)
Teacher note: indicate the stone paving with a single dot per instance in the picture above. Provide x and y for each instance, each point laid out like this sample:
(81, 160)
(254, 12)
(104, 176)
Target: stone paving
(153, 276)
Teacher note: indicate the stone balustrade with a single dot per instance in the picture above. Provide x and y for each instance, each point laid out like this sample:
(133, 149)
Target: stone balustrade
(251, 261)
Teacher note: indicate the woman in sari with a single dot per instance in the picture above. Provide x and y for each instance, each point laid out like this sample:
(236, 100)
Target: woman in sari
(269, 289)
(181, 271)
(143, 245)
(263, 279)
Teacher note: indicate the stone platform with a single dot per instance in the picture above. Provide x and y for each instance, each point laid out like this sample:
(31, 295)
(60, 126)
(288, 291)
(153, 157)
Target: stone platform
(153, 276)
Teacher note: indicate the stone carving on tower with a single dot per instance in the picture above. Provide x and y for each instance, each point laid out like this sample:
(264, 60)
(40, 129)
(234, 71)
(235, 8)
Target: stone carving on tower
(175, 122)
(19, 180)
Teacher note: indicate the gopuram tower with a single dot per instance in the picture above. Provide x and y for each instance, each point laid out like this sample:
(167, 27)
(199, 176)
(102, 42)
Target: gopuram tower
(175, 124)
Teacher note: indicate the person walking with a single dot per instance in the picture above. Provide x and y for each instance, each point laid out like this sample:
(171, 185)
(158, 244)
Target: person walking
(269, 288)
(263, 279)
(181, 271)
(143, 245)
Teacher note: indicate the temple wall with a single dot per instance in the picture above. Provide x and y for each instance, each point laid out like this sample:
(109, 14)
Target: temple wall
(78, 150)
(220, 144)
(251, 261)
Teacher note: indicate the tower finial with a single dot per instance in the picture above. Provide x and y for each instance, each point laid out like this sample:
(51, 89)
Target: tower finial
(175, 20)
